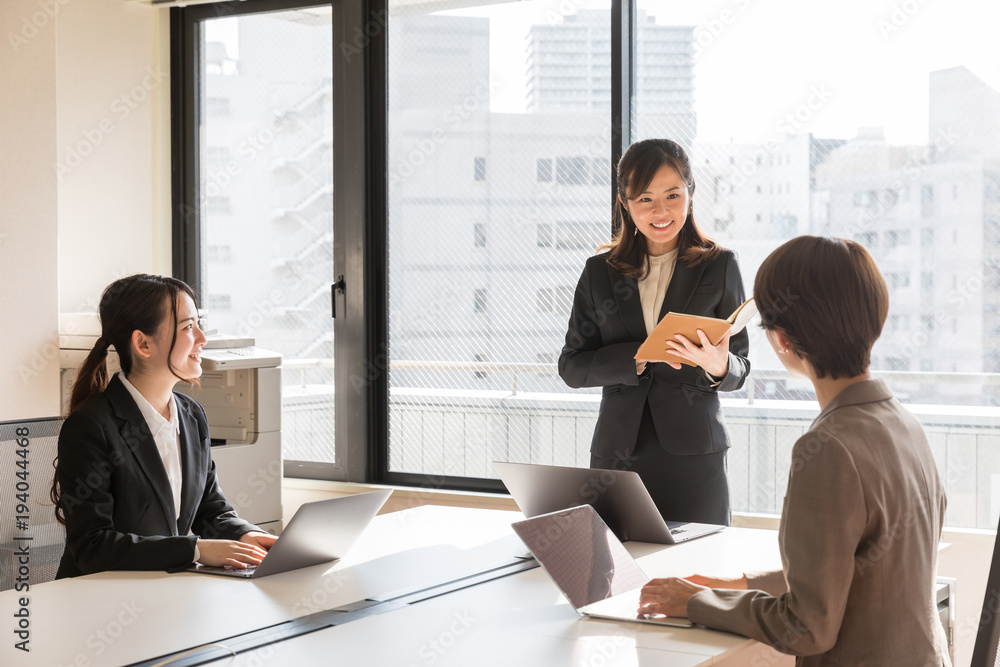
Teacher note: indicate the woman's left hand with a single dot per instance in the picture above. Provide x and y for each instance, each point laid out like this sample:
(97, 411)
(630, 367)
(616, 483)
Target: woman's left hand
(714, 359)
(258, 539)
(667, 597)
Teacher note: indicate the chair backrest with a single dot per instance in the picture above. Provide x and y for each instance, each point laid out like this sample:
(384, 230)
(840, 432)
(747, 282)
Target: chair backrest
(27, 449)
(985, 652)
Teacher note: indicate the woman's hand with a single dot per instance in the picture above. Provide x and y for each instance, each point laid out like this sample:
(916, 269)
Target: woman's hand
(667, 597)
(714, 359)
(229, 553)
(259, 539)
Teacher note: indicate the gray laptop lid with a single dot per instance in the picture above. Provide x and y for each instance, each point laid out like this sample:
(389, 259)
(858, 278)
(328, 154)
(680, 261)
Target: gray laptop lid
(322, 531)
(619, 496)
(581, 554)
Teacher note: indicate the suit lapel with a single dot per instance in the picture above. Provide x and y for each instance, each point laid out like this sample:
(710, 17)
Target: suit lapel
(188, 441)
(626, 291)
(681, 288)
(135, 433)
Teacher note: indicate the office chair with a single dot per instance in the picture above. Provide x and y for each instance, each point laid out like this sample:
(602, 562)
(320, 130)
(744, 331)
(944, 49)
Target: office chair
(48, 537)
(985, 652)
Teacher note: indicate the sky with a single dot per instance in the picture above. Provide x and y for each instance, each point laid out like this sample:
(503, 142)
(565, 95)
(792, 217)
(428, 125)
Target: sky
(861, 63)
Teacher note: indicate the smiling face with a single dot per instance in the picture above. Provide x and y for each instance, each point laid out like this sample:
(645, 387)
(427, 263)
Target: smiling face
(660, 210)
(185, 360)
(186, 357)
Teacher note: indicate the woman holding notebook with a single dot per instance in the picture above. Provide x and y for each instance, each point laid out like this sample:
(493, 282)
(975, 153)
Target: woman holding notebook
(135, 476)
(865, 503)
(661, 420)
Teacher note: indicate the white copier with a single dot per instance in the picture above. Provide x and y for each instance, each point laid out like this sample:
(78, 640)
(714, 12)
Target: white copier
(241, 393)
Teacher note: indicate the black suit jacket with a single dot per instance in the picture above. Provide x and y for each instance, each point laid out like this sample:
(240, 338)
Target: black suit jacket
(606, 328)
(115, 494)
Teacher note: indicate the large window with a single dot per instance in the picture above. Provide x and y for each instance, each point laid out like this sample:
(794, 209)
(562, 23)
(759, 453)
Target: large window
(495, 86)
(877, 121)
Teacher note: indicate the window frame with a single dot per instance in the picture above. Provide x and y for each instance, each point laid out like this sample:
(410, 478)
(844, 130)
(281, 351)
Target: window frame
(362, 332)
(359, 121)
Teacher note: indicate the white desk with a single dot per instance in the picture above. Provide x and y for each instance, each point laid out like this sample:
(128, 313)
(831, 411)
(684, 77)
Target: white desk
(122, 617)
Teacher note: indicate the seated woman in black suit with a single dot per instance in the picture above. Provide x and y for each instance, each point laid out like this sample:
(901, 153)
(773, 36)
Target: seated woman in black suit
(134, 476)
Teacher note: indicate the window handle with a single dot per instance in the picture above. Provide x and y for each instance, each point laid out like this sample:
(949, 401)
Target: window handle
(336, 287)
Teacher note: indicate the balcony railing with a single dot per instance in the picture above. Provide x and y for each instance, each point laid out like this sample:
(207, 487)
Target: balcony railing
(461, 431)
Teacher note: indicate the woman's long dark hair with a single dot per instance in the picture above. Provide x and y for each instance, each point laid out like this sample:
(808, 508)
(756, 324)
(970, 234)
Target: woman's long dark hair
(135, 303)
(636, 169)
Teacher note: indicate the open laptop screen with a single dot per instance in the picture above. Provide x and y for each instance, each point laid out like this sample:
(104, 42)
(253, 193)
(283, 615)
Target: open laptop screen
(581, 554)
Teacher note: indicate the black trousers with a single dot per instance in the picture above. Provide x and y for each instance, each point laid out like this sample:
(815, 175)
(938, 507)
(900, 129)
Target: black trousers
(684, 488)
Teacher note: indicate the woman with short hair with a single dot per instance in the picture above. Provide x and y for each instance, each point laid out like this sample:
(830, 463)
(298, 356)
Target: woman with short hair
(865, 503)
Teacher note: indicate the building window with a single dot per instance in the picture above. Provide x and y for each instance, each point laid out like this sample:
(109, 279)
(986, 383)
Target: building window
(927, 200)
(219, 302)
(481, 358)
(543, 235)
(898, 363)
(218, 253)
(219, 205)
(479, 169)
(543, 300)
(600, 172)
(543, 170)
(554, 299)
(479, 235)
(926, 281)
(479, 301)
(926, 238)
(867, 239)
(897, 238)
(572, 171)
(217, 106)
(897, 280)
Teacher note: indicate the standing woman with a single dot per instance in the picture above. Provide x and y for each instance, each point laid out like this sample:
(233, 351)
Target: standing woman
(135, 475)
(865, 503)
(661, 420)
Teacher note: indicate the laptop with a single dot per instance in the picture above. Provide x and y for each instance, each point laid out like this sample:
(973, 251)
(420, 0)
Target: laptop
(589, 565)
(319, 532)
(619, 496)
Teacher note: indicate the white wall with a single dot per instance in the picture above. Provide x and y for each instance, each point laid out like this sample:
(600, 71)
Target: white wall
(112, 85)
(85, 183)
(28, 215)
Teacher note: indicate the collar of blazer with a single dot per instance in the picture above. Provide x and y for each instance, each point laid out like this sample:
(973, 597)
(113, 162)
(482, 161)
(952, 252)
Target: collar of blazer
(871, 390)
(678, 296)
(135, 432)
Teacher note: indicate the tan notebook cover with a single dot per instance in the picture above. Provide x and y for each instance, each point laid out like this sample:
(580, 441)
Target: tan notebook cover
(654, 348)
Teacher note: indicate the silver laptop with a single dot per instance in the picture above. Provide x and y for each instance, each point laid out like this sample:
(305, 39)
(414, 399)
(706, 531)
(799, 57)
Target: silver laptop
(319, 532)
(589, 565)
(619, 496)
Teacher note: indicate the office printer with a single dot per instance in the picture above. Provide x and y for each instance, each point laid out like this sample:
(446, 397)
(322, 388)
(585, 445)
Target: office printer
(241, 393)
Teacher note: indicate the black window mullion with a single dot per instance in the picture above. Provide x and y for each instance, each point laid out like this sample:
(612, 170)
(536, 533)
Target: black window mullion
(623, 49)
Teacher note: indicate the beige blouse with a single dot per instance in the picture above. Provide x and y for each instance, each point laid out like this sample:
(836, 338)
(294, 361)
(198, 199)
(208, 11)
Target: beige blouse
(653, 287)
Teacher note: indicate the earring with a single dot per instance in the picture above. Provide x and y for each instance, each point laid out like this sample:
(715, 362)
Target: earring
(635, 230)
